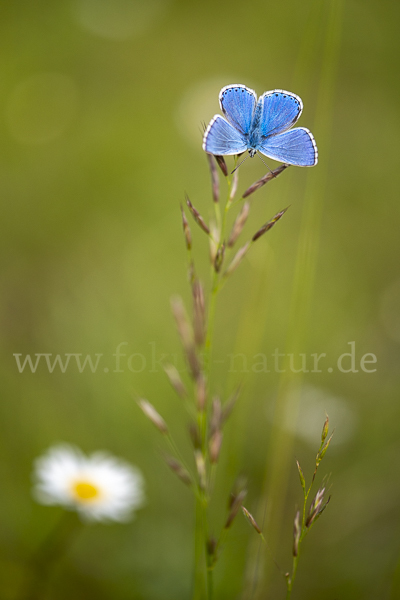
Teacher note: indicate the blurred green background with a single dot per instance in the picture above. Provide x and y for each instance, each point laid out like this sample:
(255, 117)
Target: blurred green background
(101, 110)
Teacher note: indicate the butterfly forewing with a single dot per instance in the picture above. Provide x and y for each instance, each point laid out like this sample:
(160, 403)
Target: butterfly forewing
(222, 138)
(238, 103)
(294, 147)
(261, 126)
(280, 110)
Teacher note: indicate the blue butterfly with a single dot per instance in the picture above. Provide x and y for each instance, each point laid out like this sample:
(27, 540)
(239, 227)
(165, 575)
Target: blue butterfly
(260, 127)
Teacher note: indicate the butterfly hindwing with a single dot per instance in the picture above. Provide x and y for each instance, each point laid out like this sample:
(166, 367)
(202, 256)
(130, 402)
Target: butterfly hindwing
(280, 110)
(294, 147)
(238, 103)
(221, 138)
(263, 126)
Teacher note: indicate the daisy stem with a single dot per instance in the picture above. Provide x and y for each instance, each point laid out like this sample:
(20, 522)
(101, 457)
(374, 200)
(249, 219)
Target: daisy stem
(50, 552)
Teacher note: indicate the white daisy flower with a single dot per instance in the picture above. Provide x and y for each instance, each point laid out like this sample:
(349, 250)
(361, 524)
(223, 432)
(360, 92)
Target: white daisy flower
(99, 487)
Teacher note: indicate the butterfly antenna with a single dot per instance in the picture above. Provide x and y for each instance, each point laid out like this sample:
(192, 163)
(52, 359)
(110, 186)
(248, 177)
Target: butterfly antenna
(232, 172)
(264, 163)
(202, 128)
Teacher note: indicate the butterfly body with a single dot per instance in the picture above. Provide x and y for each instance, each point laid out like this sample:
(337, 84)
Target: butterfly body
(254, 137)
(261, 125)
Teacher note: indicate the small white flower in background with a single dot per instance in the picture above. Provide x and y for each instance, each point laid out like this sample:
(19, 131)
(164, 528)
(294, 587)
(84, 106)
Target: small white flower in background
(99, 487)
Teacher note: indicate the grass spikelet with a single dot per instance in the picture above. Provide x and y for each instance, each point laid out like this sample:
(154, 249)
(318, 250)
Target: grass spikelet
(199, 313)
(175, 380)
(214, 178)
(153, 416)
(186, 230)
(222, 164)
(251, 519)
(268, 177)
(269, 225)
(197, 216)
(186, 335)
(239, 224)
(178, 469)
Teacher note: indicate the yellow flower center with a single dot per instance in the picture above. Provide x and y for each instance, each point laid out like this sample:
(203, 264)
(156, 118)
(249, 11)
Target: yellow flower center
(83, 490)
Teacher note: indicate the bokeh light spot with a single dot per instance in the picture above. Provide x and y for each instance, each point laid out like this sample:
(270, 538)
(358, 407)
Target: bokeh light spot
(305, 415)
(198, 105)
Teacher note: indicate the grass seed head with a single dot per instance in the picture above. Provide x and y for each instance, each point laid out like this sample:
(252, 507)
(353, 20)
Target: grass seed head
(216, 416)
(219, 258)
(238, 486)
(201, 468)
(268, 177)
(178, 469)
(197, 216)
(316, 507)
(214, 177)
(251, 519)
(186, 230)
(153, 415)
(237, 259)
(239, 224)
(302, 480)
(230, 405)
(175, 380)
(195, 435)
(296, 534)
(325, 430)
(199, 313)
(322, 452)
(234, 186)
(222, 164)
(186, 334)
(211, 546)
(236, 504)
(201, 392)
(214, 241)
(269, 225)
(214, 446)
